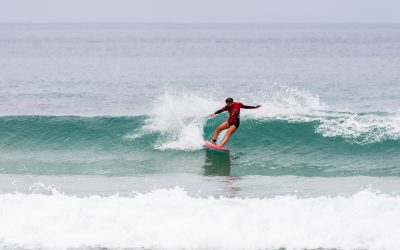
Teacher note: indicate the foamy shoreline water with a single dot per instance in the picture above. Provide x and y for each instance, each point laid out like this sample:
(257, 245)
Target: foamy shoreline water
(171, 219)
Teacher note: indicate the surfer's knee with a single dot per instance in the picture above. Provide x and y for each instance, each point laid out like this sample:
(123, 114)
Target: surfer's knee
(220, 127)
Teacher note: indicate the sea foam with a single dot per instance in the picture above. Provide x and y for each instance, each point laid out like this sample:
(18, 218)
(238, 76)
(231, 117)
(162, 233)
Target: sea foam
(361, 128)
(180, 116)
(171, 219)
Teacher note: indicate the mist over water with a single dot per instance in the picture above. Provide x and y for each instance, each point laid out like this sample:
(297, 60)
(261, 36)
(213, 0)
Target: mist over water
(102, 129)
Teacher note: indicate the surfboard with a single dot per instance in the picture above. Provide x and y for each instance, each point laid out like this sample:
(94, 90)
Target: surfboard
(210, 145)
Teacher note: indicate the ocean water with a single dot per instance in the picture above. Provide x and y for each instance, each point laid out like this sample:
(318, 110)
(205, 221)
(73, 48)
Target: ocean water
(101, 131)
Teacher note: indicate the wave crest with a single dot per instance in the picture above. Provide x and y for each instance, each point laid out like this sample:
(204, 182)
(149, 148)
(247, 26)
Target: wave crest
(361, 128)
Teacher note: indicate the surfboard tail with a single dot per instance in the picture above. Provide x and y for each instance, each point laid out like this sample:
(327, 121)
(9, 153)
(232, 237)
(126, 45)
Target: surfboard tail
(210, 145)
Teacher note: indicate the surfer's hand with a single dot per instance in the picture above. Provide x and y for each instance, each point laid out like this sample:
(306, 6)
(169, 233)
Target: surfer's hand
(257, 106)
(213, 115)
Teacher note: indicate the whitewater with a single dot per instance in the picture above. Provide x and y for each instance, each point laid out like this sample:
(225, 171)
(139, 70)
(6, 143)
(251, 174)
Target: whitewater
(170, 219)
(102, 125)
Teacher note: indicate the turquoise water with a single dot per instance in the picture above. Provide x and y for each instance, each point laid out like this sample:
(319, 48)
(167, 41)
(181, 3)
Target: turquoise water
(67, 145)
(102, 126)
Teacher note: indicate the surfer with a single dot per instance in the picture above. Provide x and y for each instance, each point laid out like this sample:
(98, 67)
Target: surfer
(233, 122)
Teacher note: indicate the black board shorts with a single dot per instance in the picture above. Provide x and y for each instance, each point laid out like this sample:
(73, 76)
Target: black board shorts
(237, 124)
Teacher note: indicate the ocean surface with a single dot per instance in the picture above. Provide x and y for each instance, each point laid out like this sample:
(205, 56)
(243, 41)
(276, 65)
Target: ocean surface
(102, 125)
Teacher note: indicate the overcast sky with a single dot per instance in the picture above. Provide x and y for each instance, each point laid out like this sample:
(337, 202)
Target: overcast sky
(200, 11)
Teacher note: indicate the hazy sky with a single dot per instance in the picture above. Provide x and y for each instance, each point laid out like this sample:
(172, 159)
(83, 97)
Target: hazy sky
(253, 11)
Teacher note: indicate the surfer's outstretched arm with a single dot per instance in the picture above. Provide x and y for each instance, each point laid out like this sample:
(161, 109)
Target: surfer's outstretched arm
(218, 111)
(250, 107)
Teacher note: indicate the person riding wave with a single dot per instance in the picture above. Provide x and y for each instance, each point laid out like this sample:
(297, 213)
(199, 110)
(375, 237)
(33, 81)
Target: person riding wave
(233, 122)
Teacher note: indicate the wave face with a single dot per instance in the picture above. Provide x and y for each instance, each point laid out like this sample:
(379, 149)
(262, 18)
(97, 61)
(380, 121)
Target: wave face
(338, 144)
(171, 219)
(293, 133)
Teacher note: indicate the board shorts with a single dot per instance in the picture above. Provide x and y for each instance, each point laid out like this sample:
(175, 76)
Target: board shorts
(237, 124)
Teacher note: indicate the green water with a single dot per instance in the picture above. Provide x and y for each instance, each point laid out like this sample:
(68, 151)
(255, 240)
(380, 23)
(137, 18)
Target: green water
(104, 145)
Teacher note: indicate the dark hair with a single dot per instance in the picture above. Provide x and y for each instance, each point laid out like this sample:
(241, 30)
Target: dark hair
(229, 100)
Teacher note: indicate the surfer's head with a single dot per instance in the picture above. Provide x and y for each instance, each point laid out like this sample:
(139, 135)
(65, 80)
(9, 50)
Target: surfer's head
(229, 101)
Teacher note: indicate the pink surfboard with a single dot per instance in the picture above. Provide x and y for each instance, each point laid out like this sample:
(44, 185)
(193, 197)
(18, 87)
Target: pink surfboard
(210, 145)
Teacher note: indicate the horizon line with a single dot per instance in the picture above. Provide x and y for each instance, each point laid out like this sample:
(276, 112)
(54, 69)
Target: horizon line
(208, 23)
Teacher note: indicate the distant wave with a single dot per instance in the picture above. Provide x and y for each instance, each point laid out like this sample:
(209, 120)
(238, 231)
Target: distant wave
(171, 219)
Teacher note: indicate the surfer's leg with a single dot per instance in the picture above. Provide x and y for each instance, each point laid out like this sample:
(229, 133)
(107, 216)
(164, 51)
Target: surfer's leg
(231, 130)
(223, 126)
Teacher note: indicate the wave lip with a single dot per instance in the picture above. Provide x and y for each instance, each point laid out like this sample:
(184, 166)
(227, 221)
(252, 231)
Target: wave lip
(171, 219)
(361, 128)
